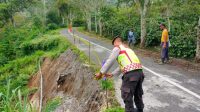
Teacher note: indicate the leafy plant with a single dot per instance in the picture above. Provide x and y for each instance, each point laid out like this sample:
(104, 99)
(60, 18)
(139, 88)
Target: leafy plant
(107, 84)
(115, 109)
(12, 100)
(45, 43)
(182, 47)
(52, 105)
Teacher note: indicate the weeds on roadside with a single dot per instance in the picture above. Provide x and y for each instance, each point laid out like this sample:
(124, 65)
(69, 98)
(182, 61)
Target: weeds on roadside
(13, 100)
(107, 84)
(115, 109)
(52, 105)
(14, 74)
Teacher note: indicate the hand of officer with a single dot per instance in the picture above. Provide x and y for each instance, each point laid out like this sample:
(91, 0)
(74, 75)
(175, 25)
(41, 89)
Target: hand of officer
(109, 75)
(98, 75)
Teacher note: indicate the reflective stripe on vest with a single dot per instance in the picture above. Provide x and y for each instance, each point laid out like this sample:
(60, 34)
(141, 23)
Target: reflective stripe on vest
(128, 60)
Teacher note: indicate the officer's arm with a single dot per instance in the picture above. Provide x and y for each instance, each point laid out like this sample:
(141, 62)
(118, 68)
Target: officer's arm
(110, 61)
(117, 71)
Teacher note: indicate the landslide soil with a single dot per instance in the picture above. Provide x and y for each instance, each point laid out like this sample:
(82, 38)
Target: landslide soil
(68, 78)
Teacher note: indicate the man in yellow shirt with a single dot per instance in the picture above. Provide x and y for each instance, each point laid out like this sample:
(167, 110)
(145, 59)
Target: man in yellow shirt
(164, 44)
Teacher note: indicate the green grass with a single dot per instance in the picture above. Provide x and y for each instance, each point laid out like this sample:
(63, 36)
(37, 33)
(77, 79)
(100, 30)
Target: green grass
(22, 68)
(17, 72)
(115, 109)
(107, 84)
(52, 105)
(13, 101)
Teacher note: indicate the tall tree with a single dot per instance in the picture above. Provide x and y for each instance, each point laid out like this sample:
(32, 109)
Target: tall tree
(143, 8)
(86, 7)
(13, 6)
(63, 7)
(89, 8)
(167, 10)
(198, 42)
(3, 15)
(98, 4)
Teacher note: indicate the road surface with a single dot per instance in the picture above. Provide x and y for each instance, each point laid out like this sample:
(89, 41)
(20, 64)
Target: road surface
(166, 88)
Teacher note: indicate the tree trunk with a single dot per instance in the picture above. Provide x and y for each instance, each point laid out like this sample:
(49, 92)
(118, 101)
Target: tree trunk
(89, 23)
(143, 10)
(71, 23)
(44, 14)
(198, 43)
(71, 18)
(63, 20)
(143, 30)
(112, 33)
(13, 21)
(169, 24)
(96, 30)
(100, 27)
(168, 20)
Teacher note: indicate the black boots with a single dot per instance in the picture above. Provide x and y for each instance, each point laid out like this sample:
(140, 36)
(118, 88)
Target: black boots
(140, 110)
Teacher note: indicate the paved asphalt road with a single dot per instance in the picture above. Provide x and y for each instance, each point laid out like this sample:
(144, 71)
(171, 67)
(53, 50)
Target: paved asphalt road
(166, 88)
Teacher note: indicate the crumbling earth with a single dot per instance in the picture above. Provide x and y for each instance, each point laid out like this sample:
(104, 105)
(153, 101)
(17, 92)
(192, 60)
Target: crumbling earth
(71, 80)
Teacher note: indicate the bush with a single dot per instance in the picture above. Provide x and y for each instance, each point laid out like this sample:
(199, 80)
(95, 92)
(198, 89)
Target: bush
(153, 32)
(22, 68)
(119, 22)
(37, 22)
(19, 70)
(78, 23)
(52, 26)
(183, 47)
(53, 17)
(11, 40)
(44, 43)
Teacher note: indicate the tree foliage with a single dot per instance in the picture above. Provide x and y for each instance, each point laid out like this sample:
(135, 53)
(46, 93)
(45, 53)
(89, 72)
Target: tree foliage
(9, 7)
(180, 17)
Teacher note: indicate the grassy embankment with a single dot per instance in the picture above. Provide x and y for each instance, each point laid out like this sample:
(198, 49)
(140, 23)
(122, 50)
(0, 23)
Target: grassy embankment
(16, 73)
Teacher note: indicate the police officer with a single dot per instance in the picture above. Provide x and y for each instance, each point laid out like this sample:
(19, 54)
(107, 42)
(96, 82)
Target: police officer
(132, 78)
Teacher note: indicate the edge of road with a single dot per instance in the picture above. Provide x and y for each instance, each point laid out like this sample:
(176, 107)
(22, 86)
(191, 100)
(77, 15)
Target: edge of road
(185, 64)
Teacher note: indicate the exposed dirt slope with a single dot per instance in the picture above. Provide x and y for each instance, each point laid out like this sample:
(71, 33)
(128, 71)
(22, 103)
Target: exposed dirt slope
(68, 78)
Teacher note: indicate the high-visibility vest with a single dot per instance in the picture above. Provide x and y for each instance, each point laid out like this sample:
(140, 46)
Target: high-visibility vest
(127, 60)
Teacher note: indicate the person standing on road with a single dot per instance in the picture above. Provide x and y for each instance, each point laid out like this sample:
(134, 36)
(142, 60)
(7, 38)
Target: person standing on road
(132, 78)
(131, 37)
(164, 44)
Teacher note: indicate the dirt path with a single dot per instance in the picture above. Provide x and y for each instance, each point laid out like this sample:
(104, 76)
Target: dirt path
(166, 88)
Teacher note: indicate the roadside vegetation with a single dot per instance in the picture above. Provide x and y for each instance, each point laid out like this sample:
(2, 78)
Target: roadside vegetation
(28, 34)
(26, 37)
(117, 17)
(16, 71)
